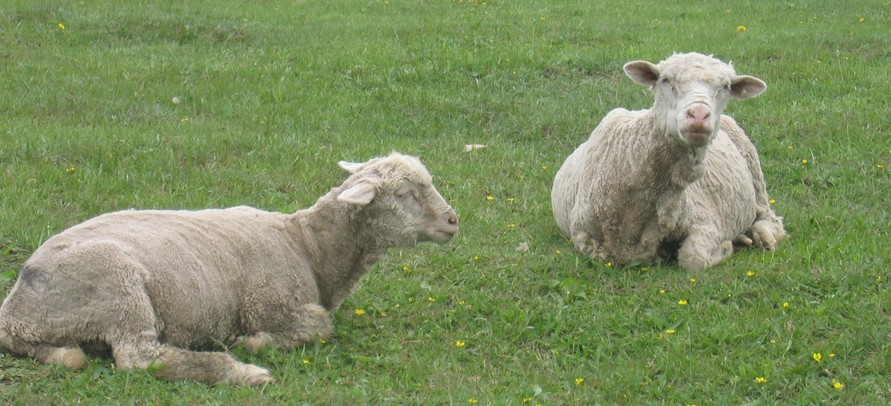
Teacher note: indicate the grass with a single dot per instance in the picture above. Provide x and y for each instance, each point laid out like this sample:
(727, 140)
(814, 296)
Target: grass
(111, 105)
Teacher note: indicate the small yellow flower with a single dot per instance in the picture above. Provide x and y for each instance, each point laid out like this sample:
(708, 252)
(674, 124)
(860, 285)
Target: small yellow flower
(817, 356)
(61, 26)
(670, 331)
(771, 201)
(760, 379)
(323, 341)
(431, 299)
(804, 161)
(880, 166)
(405, 268)
(750, 274)
(511, 225)
(184, 120)
(490, 198)
(359, 312)
(692, 280)
(682, 302)
(70, 169)
(579, 381)
(609, 264)
(557, 252)
(741, 28)
(837, 384)
(476, 257)
(460, 343)
(545, 167)
(773, 341)
(473, 401)
(861, 20)
(786, 304)
(307, 362)
(661, 291)
(527, 400)
(644, 269)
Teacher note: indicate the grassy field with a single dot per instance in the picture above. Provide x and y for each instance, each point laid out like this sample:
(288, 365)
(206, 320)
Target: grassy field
(110, 105)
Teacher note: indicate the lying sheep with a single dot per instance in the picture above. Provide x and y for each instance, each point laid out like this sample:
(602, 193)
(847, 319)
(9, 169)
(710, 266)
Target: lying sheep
(151, 285)
(678, 174)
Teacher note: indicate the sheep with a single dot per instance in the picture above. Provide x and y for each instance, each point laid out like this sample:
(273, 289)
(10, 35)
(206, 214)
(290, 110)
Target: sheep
(678, 178)
(154, 286)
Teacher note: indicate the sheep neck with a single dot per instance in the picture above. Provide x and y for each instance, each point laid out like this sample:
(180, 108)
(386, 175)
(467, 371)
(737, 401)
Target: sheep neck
(339, 254)
(671, 163)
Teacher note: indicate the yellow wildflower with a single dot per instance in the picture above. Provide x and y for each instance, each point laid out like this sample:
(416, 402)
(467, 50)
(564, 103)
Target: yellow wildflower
(817, 356)
(760, 379)
(61, 26)
(490, 198)
(682, 302)
(750, 274)
(837, 385)
(359, 312)
(670, 331)
(460, 343)
(579, 381)
(741, 28)
(307, 362)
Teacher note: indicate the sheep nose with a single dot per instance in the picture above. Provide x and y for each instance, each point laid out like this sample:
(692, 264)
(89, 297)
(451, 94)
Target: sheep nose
(698, 114)
(452, 219)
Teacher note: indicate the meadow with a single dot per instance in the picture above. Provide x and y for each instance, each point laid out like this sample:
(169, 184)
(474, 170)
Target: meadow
(109, 105)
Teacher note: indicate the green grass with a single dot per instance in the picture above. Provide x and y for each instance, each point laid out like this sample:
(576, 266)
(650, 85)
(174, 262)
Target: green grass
(272, 94)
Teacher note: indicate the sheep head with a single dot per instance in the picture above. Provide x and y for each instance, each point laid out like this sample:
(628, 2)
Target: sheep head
(400, 202)
(691, 91)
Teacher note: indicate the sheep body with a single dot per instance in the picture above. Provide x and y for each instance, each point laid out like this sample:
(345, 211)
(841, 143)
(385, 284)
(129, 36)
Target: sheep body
(680, 173)
(154, 284)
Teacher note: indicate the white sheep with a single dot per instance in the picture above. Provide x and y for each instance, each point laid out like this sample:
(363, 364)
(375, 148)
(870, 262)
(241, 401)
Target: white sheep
(677, 174)
(153, 285)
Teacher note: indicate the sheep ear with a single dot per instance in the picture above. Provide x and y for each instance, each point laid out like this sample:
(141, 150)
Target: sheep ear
(361, 193)
(744, 86)
(642, 72)
(352, 167)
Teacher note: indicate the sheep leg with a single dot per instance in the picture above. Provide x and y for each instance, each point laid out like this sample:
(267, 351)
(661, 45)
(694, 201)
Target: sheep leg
(177, 364)
(701, 250)
(309, 322)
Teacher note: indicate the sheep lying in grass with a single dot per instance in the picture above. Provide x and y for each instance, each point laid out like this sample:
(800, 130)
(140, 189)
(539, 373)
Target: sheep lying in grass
(150, 285)
(678, 174)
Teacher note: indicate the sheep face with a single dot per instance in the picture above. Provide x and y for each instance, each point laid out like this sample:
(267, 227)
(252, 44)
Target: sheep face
(402, 204)
(691, 92)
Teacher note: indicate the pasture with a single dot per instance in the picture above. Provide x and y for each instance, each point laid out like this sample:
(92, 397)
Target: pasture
(110, 105)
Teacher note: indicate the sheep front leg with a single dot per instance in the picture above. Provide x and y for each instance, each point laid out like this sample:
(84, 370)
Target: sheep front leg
(309, 322)
(702, 250)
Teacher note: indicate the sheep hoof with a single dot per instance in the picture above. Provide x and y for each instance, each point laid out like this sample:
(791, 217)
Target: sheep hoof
(249, 375)
(73, 358)
(767, 234)
(256, 342)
